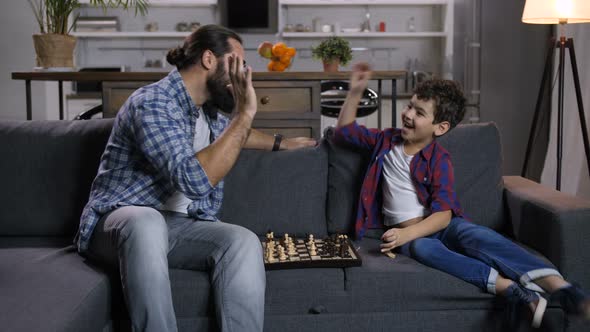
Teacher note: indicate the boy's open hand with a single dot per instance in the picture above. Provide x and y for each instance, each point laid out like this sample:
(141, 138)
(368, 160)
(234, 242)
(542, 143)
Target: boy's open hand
(241, 85)
(393, 238)
(359, 79)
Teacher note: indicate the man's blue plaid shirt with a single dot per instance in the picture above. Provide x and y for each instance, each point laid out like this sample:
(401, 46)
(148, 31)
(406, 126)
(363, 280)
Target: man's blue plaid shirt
(150, 155)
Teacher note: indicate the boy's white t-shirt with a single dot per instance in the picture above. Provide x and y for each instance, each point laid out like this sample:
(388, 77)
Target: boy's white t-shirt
(400, 201)
(178, 201)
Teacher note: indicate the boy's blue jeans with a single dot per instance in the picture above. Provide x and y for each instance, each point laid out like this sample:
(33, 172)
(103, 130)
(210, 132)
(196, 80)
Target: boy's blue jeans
(143, 243)
(477, 254)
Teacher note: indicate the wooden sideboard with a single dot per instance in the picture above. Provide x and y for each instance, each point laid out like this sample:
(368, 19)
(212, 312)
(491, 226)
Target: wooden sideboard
(291, 108)
(288, 102)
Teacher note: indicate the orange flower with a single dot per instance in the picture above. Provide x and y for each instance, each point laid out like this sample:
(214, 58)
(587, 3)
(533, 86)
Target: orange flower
(279, 49)
(278, 66)
(285, 59)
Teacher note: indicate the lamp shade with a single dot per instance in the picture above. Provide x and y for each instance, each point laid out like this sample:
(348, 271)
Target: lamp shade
(556, 11)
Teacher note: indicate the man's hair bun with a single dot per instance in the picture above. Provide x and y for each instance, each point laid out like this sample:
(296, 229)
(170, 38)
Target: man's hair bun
(176, 56)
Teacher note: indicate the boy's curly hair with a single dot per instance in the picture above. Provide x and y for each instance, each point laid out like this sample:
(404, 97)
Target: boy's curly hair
(448, 99)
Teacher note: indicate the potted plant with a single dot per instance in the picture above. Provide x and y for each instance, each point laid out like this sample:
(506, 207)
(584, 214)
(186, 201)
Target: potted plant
(54, 45)
(333, 51)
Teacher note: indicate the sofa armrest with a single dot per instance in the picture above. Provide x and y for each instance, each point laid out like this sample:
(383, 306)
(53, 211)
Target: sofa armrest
(554, 223)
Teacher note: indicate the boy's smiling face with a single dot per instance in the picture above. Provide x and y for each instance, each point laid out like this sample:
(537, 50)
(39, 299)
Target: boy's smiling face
(417, 119)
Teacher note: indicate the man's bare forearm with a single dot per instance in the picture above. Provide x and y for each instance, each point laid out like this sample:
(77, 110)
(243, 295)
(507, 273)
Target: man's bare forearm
(259, 140)
(219, 157)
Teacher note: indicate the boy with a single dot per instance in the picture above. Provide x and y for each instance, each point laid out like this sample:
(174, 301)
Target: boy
(418, 205)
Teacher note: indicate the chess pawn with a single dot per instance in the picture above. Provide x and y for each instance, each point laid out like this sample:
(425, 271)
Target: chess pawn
(344, 250)
(313, 249)
(270, 256)
(291, 249)
(282, 255)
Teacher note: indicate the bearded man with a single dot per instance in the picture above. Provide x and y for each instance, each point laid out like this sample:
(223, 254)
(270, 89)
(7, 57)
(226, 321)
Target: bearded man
(154, 202)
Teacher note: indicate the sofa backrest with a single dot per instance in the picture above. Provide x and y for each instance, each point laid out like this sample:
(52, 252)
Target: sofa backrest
(477, 158)
(284, 192)
(48, 167)
(476, 152)
(46, 171)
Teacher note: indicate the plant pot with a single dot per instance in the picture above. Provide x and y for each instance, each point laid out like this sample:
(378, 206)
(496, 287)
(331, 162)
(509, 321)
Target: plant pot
(54, 50)
(331, 66)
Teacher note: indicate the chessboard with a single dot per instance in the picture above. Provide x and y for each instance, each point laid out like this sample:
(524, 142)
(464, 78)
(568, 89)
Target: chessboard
(293, 253)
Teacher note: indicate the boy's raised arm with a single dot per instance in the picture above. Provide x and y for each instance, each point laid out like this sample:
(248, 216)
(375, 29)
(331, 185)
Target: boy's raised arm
(347, 130)
(359, 79)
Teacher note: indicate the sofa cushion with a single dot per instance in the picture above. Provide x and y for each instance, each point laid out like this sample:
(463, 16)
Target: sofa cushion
(288, 292)
(58, 161)
(382, 284)
(280, 191)
(476, 155)
(347, 166)
(306, 291)
(52, 289)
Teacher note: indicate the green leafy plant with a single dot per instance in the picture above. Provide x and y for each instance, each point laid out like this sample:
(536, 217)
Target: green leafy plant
(333, 48)
(52, 15)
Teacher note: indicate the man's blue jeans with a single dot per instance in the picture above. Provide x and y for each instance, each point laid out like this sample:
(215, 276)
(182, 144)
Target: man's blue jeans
(144, 243)
(477, 254)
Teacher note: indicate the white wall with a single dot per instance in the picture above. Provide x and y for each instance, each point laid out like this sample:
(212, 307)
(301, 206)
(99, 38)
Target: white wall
(574, 179)
(512, 62)
(17, 25)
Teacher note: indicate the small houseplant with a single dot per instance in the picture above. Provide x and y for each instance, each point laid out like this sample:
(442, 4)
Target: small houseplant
(54, 45)
(333, 52)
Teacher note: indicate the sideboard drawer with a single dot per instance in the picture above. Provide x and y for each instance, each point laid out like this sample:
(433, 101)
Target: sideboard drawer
(288, 99)
(296, 100)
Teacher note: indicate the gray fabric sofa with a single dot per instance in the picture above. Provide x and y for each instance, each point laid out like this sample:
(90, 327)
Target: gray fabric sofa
(47, 168)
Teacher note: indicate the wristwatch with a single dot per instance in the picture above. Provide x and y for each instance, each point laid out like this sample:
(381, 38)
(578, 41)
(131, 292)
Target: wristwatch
(277, 145)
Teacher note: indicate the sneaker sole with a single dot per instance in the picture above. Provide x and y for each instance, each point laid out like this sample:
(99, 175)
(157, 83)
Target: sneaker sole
(539, 312)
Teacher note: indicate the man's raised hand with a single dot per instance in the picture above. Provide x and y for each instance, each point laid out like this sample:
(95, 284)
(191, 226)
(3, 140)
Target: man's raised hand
(241, 84)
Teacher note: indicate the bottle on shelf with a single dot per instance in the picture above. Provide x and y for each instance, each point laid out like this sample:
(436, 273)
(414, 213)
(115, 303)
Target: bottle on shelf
(366, 26)
(411, 24)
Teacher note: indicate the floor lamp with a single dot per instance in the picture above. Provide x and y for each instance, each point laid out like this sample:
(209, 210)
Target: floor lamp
(559, 12)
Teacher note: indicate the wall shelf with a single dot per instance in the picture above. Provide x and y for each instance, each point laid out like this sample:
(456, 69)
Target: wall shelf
(172, 3)
(131, 34)
(361, 2)
(365, 34)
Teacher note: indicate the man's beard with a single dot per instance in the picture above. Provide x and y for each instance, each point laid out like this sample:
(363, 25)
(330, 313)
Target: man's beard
(220, 97)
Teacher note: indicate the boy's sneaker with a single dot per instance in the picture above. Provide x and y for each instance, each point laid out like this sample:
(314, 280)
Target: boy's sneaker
(574, 300)
(517, 297)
